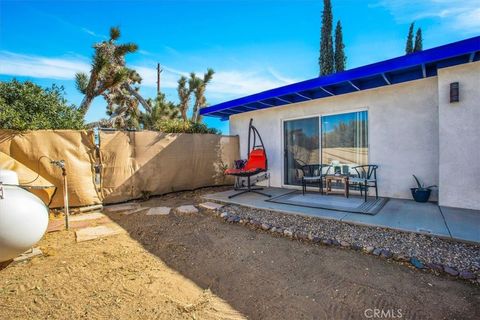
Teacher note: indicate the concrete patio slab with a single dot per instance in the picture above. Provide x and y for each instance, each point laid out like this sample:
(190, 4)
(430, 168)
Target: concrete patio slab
(398, 214)
(463, 224)
(405, 215)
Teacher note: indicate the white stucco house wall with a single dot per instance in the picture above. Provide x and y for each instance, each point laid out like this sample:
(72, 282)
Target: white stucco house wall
(414, 125)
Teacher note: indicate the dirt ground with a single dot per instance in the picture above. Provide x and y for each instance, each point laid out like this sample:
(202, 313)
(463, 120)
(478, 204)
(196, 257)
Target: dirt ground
(199, 267)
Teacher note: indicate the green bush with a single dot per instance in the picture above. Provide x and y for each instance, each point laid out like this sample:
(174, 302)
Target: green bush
(27, 106)
(181, 126)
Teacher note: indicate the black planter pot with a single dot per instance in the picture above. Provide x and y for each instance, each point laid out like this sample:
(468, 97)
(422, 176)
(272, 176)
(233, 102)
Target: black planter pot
(420, 195)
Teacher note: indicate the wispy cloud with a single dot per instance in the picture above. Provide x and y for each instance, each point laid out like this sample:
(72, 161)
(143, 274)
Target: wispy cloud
(463, 16)
(41, 67)
(225, 84)
(93, 34)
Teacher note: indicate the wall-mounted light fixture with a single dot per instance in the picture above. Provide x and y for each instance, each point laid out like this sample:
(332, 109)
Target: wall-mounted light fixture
(454, 92)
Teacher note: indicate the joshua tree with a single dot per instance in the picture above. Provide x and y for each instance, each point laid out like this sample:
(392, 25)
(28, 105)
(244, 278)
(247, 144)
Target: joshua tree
(122, 107)
(109, 72)
(184, 89)
(199, 85)
(161, 109)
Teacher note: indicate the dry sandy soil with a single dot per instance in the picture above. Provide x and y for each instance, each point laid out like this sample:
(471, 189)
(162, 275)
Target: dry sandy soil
(199, 267)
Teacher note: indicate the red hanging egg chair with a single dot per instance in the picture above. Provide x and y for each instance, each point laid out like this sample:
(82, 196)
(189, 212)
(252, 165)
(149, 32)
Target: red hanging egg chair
(256, 163)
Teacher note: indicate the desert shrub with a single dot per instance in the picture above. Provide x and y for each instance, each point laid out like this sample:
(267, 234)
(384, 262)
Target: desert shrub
(181, 126)
(27, 106)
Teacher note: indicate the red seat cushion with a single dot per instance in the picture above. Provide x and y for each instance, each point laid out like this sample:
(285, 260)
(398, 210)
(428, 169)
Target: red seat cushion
(257, 162)
(238, 172)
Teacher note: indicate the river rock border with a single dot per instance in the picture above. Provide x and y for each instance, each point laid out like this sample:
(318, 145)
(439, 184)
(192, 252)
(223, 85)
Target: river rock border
(292, 233)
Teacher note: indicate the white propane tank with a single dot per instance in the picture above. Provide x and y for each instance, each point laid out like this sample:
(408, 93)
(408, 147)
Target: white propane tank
(23, 217)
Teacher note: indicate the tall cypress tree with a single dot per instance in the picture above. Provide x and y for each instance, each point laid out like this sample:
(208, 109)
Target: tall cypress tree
(326, 43)
(418, 41)
(340, 58)
(409, 45)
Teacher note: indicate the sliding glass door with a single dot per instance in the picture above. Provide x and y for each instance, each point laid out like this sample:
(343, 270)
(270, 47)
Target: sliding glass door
(345, 141)
(340, 140)
(301, 147)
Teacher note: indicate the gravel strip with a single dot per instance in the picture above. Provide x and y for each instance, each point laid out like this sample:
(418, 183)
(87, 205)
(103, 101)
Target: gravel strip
(422, 251)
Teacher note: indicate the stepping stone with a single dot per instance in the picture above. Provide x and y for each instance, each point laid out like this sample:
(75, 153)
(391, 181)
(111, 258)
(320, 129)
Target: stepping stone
(158, 211)
(87, 216)
(56, 225)
(121, 207)
(126, 213)
(97, 232)
(211, 205)
(28, 254)
(187, 209)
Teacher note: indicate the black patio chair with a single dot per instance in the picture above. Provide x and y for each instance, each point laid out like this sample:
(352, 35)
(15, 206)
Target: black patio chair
(314, 174)
(366, 178)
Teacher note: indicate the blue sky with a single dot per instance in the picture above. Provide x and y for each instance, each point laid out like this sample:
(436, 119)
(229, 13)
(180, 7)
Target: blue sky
(252, 45)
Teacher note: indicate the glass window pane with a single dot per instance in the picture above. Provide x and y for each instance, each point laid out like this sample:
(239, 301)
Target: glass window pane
(345, 141)
(301, 146)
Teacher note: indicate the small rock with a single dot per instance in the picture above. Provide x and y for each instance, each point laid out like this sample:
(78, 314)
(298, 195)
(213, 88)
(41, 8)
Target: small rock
(401, 257)
(256, 224)
(369, 249)
(316, 239)
(279, 230)
(386, 254)
(265, 226)
(467, 275)
(187, 209)
(356, 247)
(416, 263)
(211, 206)
(223, 214)
(335, 242)
(327, 242)
(273, 229)
(434, 266)
(451, 271)
(29, 254)
(310, 236)
(233, 219)
(344, 244)
(288, 233)
(301, 236)
(377, 251)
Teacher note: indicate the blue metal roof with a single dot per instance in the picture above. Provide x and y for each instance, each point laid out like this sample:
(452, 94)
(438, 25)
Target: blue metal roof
(405, 68)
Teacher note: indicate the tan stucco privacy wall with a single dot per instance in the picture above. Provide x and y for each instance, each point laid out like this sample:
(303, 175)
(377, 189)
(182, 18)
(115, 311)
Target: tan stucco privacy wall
(403, 134)
(459, 127)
